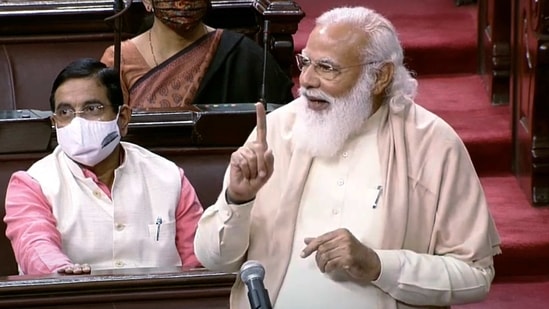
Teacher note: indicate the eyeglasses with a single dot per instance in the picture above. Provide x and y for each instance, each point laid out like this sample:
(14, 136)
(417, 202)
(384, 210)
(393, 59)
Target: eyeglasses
(93, 111)
(324, 69)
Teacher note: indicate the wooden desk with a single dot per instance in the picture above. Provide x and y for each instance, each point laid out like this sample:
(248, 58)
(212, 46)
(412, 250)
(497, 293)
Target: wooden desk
(121, 289)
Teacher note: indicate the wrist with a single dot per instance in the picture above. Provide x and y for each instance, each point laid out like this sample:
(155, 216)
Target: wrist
(236, 200)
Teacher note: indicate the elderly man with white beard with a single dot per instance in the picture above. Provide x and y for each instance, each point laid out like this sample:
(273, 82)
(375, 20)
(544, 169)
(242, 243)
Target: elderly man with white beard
(352, 195)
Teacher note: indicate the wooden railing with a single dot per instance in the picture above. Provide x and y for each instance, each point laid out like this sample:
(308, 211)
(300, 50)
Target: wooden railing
(514, 59)
(128, 288)
(529, 97)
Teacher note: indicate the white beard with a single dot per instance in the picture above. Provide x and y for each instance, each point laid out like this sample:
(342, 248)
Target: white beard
(324, 133)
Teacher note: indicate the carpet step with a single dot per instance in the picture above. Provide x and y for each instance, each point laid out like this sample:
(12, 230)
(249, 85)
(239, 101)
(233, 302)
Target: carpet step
(523, 229)
(530, 292)
(437, 36)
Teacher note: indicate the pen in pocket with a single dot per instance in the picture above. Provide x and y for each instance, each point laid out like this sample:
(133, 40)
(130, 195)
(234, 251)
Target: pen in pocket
(158, 223)
(379, 189)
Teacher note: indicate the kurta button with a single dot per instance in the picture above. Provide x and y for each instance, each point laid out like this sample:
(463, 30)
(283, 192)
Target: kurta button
(119, 263)
(119, 226)
(345, 154)
(97, 194)
(335, 211)
(340, 182)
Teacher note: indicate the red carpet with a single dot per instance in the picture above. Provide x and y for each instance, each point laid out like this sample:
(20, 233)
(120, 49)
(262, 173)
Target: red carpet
(523, 229)
(440, 46)
(424, 27)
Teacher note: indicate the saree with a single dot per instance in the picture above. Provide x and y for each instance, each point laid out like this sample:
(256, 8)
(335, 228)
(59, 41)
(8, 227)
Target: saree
(229, 70)
(175, 82)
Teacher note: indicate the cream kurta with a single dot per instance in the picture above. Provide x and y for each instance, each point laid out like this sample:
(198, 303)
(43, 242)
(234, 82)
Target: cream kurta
(438, 238)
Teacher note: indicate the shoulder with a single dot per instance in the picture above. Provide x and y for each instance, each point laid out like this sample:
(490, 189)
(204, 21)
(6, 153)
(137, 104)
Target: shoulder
(22, 179)
(127, 49)
(421, 125)
(233, 36)
(436, 128)
(136, 152)
(424, 138)
(238, 42)
(48, 162)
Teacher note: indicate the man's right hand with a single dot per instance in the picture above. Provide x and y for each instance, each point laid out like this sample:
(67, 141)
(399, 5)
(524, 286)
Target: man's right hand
(252, 164)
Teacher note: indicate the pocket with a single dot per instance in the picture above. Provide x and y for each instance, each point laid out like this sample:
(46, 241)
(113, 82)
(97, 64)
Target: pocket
(162, 251)
(162, 232)
(362, 214)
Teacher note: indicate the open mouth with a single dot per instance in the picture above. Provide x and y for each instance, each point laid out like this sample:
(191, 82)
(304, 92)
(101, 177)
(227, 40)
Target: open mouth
(317, 103)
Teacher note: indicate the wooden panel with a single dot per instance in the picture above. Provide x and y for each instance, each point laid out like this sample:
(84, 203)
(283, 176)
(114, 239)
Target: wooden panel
(26, 18)
(129, 288)
(494, 46)
(51, 35)
(8, 165)
(530, 98)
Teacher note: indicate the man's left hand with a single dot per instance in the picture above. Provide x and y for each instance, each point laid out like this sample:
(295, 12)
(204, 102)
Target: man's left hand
(75, 269)
(340, 250)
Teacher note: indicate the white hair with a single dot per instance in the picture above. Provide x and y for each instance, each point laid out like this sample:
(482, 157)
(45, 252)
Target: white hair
(383, 45)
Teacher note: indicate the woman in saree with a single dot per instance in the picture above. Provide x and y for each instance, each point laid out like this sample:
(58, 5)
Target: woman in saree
(180, 62)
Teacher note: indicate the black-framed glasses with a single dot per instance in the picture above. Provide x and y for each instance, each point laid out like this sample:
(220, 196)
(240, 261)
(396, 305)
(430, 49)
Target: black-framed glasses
(324, 69)
(92, 111)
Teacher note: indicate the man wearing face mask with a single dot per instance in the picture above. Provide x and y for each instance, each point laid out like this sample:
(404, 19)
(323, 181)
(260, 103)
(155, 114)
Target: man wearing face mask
(180, 62)
(96, 202)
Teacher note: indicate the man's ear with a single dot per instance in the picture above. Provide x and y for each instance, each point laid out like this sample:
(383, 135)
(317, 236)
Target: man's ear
(384, 78)
(124, 118)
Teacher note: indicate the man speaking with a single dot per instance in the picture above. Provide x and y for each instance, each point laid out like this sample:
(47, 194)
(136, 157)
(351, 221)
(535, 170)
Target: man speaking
(353, 196)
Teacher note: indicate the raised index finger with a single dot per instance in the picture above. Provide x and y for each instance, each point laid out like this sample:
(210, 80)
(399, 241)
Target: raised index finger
(261, 126)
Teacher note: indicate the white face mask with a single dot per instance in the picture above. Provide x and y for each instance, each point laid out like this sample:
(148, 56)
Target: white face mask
(88, 142)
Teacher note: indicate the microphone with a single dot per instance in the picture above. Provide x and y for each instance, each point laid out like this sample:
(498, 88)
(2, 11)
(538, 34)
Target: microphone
(252, 274)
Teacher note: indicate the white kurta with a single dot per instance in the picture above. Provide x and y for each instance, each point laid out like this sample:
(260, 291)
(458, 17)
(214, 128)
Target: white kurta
(349, 183)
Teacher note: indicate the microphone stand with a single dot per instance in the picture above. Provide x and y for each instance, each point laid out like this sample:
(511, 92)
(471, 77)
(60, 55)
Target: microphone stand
(119, 8)
(265, 54)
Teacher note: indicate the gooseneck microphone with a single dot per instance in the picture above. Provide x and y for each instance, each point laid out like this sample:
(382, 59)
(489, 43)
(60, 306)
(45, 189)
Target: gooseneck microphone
(252, 274)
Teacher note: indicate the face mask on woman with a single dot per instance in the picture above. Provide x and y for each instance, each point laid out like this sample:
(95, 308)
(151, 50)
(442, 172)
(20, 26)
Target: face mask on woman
(180, 15)
(88, 142)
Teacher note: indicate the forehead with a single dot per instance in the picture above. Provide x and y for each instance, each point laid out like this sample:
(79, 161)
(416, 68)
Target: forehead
(79, 91)
(340, 42)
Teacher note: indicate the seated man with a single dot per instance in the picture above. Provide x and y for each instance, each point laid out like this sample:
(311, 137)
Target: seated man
(353, 196)
(180, 62)
(96, 202)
